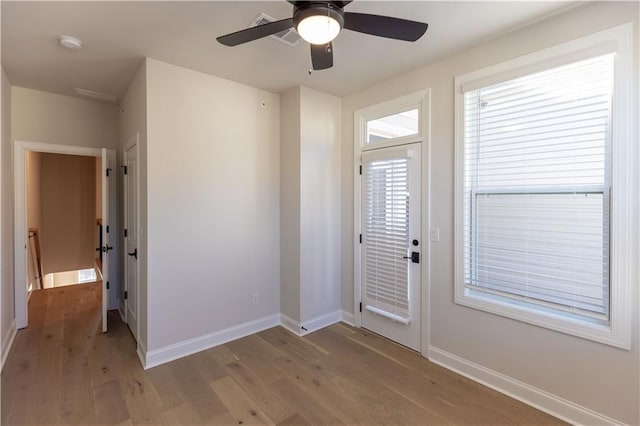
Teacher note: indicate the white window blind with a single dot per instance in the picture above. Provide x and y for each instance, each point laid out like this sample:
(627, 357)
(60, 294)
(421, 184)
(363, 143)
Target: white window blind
(386, 230)
(536, 188)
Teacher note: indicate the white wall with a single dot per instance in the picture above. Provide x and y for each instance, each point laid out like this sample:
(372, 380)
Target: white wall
(290, 204)
(7, 313)
(132, 121)
(39, 116)
(213, 204)
(310, 208)
(593, 375)
(320, 260)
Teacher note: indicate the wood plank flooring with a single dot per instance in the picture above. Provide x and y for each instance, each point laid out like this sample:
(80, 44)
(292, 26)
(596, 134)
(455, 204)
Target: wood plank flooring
(63, 370)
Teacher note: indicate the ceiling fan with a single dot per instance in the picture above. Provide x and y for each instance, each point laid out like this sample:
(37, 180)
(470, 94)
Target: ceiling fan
(319, 22)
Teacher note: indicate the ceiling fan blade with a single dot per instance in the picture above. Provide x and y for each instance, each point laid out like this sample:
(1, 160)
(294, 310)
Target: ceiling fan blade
(254, 33)
(384, 26)
(321, 56)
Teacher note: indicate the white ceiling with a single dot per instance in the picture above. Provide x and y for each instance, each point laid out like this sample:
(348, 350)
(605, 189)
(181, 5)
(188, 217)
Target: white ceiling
(117, 35)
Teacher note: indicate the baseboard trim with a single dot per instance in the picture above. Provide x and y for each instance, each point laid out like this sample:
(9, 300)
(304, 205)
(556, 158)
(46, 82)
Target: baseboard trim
(310, 326)
(320, 322)
(187, 347)
(141, 350)
(347, 317)
(290, 324)
(537, 398)
(7, 343)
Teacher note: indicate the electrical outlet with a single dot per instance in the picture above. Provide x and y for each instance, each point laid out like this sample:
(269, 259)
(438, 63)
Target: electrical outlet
(255, 299)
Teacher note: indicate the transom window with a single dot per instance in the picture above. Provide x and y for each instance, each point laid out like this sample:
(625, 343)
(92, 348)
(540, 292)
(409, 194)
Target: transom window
(401, 124)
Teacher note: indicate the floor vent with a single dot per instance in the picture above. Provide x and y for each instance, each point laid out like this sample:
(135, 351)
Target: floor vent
(289, 37)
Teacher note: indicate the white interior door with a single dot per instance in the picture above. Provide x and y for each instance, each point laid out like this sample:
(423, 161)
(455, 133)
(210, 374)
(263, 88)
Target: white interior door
(108, 163)
(130, 296)
(391, 246)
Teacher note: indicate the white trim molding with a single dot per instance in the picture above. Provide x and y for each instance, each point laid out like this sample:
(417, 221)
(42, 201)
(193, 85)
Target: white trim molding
(530, 395)
(347, 318)
(624, 216)
(319, 322)
(141, 351)
(314, 324)
(174, 351)
(290, 324)
(20, 213)
(422, 100)
(7, 343)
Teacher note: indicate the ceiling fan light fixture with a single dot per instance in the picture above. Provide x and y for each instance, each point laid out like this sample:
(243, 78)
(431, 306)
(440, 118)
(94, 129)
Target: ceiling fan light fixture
(319, 29)
(318, 22)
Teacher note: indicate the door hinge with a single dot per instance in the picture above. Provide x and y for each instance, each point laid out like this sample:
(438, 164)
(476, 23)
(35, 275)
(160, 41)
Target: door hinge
(107, 229)
(361, 169)
(360, 238)
(124, 169)
(126, 295)
(360, 306)
(125, 233)
(107, 285)
(108, 171)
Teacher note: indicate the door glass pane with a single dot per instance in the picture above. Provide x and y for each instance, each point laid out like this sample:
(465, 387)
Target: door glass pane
(386, 223)
(393, 126)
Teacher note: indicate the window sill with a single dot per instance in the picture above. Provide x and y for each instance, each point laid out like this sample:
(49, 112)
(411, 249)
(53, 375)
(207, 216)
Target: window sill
(557, 321)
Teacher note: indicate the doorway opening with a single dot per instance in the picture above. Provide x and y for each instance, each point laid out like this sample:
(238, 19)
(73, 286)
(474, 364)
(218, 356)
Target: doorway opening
(63, 202)
(391, 217)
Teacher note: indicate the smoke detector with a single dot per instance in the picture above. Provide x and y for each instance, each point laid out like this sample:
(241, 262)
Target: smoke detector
(289, 36)
(70, 42)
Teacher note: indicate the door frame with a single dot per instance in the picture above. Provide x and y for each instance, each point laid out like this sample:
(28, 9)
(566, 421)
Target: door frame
(421, 100)
(132, 142)
(20, 214)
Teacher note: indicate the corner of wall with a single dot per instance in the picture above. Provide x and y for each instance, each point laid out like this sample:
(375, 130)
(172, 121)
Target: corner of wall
(7, 272)
(7, 343)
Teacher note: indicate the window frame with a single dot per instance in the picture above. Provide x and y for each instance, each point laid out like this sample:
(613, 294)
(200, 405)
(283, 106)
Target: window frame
(405, 103)
(623, 197)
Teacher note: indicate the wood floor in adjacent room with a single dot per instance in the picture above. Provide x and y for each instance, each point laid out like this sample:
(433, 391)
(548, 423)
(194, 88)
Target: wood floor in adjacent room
(63, 370)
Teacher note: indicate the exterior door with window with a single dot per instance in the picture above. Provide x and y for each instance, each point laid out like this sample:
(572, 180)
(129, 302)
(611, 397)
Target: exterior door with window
(391, 243)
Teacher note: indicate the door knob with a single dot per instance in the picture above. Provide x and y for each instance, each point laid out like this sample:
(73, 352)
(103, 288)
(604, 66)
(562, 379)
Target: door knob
(134, 253)
(106, 248)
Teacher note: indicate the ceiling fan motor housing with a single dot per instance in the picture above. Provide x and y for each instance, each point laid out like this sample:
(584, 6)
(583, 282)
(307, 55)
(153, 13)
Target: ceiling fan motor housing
(300, 12)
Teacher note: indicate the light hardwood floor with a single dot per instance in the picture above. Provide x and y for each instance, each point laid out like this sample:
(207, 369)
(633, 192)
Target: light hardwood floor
(63, 370)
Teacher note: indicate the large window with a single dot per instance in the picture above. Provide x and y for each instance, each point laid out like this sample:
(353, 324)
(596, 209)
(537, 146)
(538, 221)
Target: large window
(537, 150)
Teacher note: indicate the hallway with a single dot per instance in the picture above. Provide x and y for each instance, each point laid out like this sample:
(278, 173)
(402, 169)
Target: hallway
(60, 367)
